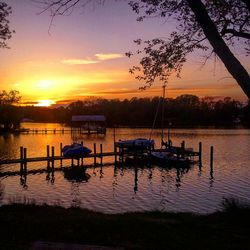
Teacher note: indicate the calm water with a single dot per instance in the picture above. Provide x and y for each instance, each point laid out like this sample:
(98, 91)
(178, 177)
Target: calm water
(114, 190)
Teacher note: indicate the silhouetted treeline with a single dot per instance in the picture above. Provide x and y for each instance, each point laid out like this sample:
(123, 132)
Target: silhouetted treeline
(185, 110)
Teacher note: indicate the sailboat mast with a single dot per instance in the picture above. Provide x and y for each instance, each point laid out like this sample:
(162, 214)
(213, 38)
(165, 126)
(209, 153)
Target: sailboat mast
(162, 113)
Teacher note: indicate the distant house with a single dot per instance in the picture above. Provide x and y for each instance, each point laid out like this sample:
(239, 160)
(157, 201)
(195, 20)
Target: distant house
(90, 123)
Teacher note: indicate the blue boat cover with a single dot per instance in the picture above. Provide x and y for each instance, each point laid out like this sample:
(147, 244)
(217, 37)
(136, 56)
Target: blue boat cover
(75, 149)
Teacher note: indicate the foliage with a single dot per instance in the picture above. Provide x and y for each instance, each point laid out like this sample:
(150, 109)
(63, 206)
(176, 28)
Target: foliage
(162, 57)
(8, 98)
(5, 31)
(184, 110)
(10, 114)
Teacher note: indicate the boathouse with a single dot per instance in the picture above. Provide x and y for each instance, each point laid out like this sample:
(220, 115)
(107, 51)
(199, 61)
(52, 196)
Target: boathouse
(91, 123)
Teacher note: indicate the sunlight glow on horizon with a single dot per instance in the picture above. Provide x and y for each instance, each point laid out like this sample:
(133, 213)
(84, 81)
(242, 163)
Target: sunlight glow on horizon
(44, 103)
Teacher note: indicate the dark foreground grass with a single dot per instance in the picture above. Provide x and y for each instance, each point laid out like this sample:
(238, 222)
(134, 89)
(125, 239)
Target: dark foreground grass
(20, 225)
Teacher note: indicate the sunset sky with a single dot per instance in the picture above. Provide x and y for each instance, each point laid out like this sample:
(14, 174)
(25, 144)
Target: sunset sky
(83, 55)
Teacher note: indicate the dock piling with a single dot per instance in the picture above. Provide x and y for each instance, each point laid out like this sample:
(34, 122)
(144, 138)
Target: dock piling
(211, 158)
(61, 153)
(21, 158)
(48, 154)
(81, 157)
(95, 154)
(52, 156)
(183, 145)
(115, 151)
(101, 152)
(200, 154)
(25, 159)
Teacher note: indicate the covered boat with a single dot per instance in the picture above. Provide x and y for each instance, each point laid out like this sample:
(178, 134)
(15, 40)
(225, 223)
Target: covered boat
(75, 150)
(166, 157)
(136, 143)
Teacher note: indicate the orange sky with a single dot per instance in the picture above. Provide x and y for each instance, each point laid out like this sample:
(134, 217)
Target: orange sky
(84, 56)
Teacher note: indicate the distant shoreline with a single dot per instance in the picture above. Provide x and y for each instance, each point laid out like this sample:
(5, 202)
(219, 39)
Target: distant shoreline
(165, 127)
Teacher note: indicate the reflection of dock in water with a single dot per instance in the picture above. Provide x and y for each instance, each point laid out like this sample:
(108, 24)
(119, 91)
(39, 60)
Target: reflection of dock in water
(78, 174)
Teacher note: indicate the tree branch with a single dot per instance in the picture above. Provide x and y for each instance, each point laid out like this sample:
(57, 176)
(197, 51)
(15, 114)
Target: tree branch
(235, 33)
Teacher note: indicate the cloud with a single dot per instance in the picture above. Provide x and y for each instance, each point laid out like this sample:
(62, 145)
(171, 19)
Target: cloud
(29, 103)
(103, 57)
(65, 101)
(100, 57)
(116, 92)
(79, 61)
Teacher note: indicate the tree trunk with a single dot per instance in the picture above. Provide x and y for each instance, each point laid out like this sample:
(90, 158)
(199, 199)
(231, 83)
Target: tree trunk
(220, 47)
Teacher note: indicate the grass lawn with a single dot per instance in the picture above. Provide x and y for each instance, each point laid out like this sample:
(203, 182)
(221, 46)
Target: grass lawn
(20, 225)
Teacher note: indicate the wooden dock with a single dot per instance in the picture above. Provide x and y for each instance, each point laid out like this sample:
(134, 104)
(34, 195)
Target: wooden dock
(53, 158)
(119, 151)
(60, 131)
(120, 154)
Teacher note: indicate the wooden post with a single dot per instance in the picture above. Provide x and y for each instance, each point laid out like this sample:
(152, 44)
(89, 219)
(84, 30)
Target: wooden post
(114, 138)
(45, 131)
(211, 158)
(94, 154)
(200, 153)
(25, 159)
(21, 158)
(63, 130)
(61, 153)
(115, 151)
(122, 154)
(136, 180)
(178, 154)
(141, 149)
(81, 157)
(183, 145)
(48, 151)
(48, 158)
(101, 152)
(134, 150)
(52, 156)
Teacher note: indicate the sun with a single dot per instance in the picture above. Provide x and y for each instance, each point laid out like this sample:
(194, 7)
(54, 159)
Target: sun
(44, 103)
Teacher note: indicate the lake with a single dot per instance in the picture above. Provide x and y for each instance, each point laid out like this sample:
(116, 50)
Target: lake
(114, 190)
